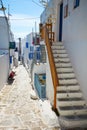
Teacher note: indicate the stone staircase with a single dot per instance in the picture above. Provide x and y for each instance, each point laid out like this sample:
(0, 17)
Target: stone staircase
(71, 105)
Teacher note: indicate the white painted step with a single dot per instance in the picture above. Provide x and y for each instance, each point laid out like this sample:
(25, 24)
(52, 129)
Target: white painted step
(69, 95)
(72, 112)
(57, 43)
(68, 81)
(68, 88)
(60, 55)
(57, 47)
(63, 65)
(66, 75)
(61, 59)
(63, 70)
(59, 51)
(71, 103)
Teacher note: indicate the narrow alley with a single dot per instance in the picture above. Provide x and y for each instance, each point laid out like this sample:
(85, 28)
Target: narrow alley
(43, 66)
(17, 110)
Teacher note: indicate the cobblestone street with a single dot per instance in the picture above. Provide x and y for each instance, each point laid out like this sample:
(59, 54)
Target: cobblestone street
(17, 110)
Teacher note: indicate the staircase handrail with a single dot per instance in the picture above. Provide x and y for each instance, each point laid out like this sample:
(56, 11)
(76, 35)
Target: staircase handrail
(52, 64)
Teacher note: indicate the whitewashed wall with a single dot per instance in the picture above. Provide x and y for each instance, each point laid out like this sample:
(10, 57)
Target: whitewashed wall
(4, 69)
(23, 41)
(53, 10)
(29, 38)
(4, 34)
(75, 40)
(26, 53)
(25, 50)
(49, 10)
(74, 37)
(38, 69)
(49, 83)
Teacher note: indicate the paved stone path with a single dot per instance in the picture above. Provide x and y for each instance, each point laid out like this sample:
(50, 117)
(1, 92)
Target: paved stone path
(17, 110)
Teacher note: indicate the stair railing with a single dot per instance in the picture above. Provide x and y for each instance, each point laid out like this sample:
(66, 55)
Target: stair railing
(45, 35)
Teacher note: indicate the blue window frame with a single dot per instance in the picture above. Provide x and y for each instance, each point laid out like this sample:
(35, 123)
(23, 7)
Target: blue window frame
(38, 49)
(26, 44)
(76, 3)
(31, 55)
(38, 56)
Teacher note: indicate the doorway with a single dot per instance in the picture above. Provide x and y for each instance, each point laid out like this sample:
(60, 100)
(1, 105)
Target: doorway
(60, 21)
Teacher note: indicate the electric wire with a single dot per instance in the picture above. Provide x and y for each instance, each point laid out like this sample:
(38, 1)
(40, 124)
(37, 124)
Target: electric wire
(37, 3)
(24, 18)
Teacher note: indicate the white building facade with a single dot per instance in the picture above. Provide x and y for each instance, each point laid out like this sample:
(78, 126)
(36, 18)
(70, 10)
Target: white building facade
(69, 20)
(5, 37)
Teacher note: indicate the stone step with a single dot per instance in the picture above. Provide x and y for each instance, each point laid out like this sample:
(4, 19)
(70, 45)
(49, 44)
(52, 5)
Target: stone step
(68, 111)
(73, 122)
(68, 88)
(66, 75)
(71, 103)
(57, 43)
(61, 60)
(65, 65)
(68, 81)
(56, 47)
(60, 55)
(64, 70)
(59, 51)
(69, 95)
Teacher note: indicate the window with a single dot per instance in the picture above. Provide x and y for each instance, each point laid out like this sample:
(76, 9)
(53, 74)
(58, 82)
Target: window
(66, 11)
(31, 48)
(76, 3)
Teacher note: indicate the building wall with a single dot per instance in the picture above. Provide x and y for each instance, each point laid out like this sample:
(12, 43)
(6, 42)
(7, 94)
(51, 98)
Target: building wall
(38, 69)
(75, 40)
(23, 41)
(74, 37)
(53, 11)
(4, 34)
(29, 38)
(5, 37)
(4, 69)
(25, 50)
(49, 83)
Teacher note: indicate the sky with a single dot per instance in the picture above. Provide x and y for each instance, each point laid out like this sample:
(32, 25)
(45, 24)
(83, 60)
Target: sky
(23, 16)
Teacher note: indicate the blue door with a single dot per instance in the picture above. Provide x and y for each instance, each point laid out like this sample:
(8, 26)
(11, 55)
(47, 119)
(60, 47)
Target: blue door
(60, 22)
